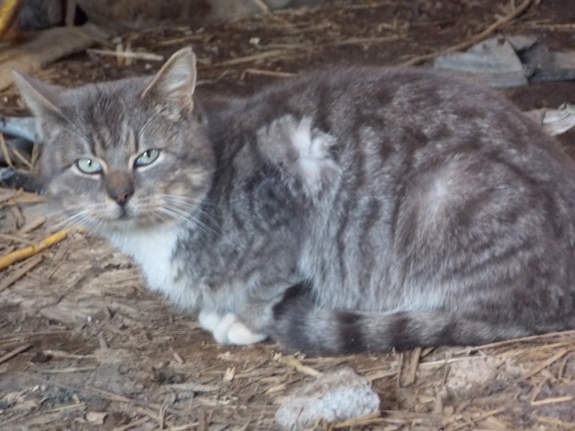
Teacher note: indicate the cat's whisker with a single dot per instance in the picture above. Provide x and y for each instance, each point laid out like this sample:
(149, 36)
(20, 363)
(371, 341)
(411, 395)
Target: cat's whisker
(187, 200)
(189, 205)
(187, 217)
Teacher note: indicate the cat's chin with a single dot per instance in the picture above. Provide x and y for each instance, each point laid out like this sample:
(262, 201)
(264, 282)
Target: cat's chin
(126, 224)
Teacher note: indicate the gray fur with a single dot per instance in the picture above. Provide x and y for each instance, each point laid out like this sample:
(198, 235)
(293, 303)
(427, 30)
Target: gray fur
(363, 209)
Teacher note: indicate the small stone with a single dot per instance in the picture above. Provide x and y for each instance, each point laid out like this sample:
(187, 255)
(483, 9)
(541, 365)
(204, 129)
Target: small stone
(335, 397)
(96, 418)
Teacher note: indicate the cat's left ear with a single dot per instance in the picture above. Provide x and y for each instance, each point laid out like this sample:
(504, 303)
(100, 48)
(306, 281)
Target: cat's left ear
(175, 83)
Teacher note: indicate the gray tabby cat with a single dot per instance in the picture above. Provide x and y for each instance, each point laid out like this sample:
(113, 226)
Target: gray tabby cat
(361, 209)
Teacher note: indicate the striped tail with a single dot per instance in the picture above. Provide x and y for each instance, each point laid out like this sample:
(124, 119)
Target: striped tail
(301, 326)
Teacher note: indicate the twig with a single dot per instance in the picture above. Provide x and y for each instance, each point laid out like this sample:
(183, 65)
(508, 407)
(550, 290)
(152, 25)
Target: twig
(546, 363)
(20, 273)
(469, 350)
(184, 427)
(34, 224)
(69, 370)
(249, 58)
(27, 252)
(298, 366)
(22, 159)
(475, 39)
(9, 12)
(15, 238)
(556, 27)
(551, 401)
(5, 151)
(360, 40)
(69, 407)
(14, 352)
(380, 375)
(412, 370)
(148, 56)
(370, 419)
(132, 424)
(269, 73)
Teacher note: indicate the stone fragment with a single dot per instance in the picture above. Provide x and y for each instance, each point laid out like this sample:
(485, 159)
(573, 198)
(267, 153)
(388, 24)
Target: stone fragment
(335, 397)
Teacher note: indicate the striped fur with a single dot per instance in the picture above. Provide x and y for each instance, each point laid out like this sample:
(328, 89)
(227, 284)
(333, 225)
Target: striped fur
(361, 209)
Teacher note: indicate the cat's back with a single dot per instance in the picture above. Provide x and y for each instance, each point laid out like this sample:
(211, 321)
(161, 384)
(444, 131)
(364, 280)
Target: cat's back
(347, 99)
(402, 118)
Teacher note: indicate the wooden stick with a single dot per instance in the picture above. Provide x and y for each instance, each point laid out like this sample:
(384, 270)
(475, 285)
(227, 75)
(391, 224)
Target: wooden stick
(269, 73)
(14, 352)
(20, 272)
(148, 56)
(8, 14)
(132, 424)
(551, 401)
(475, 39)
(546, 363)
(22, 159)
(15, 256)
(30, 226)
(5, 151)
(248, 58)
(412, 370)
(15, 238)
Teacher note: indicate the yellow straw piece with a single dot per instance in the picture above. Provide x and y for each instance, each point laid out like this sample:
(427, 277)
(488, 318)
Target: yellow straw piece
(15, 256)
(8, 13)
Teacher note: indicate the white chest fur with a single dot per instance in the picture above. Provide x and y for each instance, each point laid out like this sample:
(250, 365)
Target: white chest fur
(153, 251)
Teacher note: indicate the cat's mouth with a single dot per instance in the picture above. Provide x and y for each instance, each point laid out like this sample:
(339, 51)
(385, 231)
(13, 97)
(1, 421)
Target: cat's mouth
(124, 214)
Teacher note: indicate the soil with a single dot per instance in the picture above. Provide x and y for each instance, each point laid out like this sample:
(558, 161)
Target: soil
(84, 346)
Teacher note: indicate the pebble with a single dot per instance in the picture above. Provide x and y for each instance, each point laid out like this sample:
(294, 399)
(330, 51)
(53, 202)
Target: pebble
(335, 397)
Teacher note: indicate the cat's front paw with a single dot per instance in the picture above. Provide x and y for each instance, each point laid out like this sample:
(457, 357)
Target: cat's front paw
(209, 320)
(230, 330)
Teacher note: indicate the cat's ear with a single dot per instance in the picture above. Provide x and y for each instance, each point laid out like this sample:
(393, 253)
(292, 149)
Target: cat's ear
(42, 99)
(174, 84)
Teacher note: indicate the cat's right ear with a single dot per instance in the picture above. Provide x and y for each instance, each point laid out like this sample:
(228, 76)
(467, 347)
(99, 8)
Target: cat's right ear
(175, 83)
(42, 99)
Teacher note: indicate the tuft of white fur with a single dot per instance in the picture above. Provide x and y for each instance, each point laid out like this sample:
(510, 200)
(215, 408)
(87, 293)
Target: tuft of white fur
(152, 249)
(314, 161)
(209, 320)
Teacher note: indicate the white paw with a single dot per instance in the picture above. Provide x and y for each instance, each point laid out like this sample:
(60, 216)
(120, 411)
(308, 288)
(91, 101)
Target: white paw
(231, 331)
(209, 320)
(240, 335)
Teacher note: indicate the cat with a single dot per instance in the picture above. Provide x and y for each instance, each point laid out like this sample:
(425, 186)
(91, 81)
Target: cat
(360, 209)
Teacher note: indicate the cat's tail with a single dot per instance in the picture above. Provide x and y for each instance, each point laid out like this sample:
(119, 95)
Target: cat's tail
(300, 326)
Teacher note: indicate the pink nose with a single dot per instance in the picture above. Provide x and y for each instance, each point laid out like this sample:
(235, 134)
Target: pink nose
(120, 186)
(122, 198)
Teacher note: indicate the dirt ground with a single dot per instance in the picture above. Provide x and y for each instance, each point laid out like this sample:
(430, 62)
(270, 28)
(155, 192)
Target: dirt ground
(84, 346)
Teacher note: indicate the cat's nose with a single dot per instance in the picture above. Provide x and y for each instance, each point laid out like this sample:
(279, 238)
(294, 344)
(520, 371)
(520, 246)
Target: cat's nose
(120, 186)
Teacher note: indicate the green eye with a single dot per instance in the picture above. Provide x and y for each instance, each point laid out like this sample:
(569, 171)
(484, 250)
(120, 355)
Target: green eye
(89, 166)
(146, 158)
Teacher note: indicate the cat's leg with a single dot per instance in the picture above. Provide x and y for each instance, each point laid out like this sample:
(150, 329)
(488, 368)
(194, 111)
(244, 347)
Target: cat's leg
(209, 320)
(251, 318)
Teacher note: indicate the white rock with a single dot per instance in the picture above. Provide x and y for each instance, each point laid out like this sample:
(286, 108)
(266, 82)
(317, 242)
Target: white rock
(334, 397)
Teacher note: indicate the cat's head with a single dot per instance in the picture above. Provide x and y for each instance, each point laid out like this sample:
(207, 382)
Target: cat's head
(125, 154)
